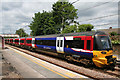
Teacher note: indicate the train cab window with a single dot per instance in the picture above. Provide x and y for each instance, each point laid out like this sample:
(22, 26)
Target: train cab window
(88, 44)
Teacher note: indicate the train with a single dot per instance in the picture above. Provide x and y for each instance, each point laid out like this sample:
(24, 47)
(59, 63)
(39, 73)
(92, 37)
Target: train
(93, 47)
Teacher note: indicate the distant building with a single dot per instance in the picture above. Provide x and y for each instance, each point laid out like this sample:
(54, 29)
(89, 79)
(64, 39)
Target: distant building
(107, 31)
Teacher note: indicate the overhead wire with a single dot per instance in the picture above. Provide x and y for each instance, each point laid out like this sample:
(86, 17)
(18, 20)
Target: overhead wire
(105, 24)
(74, 1)
(99, 17)
(95, 6)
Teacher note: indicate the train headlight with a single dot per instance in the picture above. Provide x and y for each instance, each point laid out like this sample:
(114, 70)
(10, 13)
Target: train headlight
(95, 55)
(103, 52)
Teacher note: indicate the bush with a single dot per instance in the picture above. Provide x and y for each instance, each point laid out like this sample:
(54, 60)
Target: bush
(113, 33)
(115, 42)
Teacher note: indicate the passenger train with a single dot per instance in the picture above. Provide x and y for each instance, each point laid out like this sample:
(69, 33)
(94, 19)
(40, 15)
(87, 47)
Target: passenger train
(92, 47)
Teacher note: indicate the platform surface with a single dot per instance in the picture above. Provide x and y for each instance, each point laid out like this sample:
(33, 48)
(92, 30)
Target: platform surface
(31, 67)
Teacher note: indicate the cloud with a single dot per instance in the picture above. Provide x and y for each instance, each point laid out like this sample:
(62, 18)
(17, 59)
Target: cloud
(9, 6)
(91, 11)
(20, 13)
(29, 0)
(17, 14)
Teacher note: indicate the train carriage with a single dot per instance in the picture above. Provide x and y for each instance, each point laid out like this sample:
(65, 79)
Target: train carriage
(7, 40)
(92, 47)
(22, 42)
(16, 41)
(85, 47)
(29, 43)
(11, 41)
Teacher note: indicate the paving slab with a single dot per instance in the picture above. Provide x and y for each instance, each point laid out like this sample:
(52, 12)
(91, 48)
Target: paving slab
(25, 70)
(30, 66)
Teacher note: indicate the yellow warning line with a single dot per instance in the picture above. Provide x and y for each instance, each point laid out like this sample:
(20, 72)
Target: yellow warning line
(70, 74)
(41, 64)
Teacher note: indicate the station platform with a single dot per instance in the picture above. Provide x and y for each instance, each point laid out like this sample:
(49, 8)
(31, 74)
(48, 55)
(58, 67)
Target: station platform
(31, 67)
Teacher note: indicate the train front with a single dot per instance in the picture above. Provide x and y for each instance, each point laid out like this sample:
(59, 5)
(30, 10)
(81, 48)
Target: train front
(103, 52)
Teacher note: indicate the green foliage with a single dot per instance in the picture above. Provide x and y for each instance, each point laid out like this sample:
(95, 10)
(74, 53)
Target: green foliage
(21, 33)
(70, 29)
(115, 42)
(52, 22)
(115, 38)
(113, 33)
(59, 19)
(80, 28)
(64, 13)
(43, 24)
(85, 27)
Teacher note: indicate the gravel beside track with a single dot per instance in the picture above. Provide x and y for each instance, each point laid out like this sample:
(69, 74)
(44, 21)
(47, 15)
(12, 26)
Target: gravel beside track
(78, 69)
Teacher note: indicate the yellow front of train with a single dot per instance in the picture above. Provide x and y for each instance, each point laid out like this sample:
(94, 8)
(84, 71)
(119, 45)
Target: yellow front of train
(103, 52)
(104, 58)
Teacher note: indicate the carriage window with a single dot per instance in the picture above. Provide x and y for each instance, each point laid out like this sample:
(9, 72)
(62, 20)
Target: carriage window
(75, 44)
(21, 41)
(88, 44)
(58, 43)
(45, 42)
(16, 40)
(61, 43)
(28, 41)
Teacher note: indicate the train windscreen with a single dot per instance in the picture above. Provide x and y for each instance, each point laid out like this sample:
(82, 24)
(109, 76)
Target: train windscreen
(102, 43)
(105, 42)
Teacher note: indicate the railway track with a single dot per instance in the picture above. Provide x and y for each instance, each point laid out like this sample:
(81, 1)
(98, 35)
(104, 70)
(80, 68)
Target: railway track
(116, 72)
(75, 68)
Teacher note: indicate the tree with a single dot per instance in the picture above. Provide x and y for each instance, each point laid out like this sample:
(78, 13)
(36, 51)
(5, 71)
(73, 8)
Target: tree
(21, 33)
(64, 13)
(78, 28)
(58, 20)
(85, 27)
(113, 33)
(70, 29)
(43, 24)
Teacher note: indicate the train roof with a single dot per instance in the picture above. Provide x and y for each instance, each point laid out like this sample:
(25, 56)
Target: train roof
(89, 33)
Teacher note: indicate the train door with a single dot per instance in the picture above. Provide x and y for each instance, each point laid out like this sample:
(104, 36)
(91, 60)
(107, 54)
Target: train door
(89, 43)
(60, 44)
(33, 42)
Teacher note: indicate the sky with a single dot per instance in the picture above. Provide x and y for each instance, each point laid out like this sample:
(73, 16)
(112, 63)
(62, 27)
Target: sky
(16, 14)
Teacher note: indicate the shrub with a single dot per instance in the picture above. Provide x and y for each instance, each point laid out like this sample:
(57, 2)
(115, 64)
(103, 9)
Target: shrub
(113, 33)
